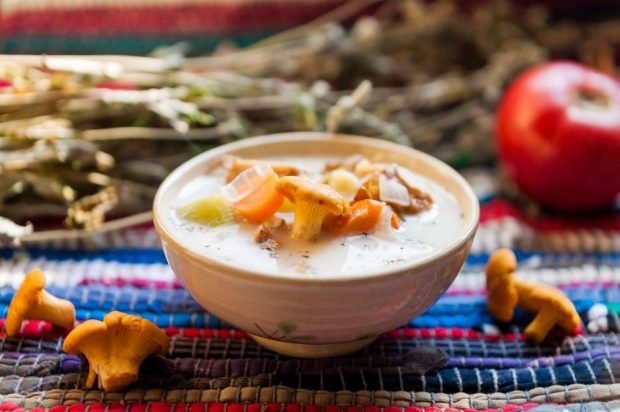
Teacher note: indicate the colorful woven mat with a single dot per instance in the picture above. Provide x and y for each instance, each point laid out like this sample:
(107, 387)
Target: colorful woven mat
(140, 26)
(213, 368)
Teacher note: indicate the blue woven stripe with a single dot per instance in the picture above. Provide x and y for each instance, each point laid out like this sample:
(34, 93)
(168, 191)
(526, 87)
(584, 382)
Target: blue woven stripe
(130, 255)
(449, 311)
(175, 307)
(599, 294)
(97, 296)
(472, 318)
(610, 353)
(476, 315)
(122, 255)
(126, 298)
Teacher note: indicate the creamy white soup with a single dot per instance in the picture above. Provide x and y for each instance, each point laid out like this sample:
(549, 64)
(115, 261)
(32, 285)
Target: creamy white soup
(235, 241)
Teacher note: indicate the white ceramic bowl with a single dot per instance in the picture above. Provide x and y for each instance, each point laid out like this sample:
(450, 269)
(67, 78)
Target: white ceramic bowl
(326, 315)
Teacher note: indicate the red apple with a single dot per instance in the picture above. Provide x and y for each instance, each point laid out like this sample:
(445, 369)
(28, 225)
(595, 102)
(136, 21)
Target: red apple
(558, 126)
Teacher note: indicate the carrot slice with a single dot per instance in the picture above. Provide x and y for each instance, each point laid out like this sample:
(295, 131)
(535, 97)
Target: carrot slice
(258, 199)
(395, 221)
(364, 217)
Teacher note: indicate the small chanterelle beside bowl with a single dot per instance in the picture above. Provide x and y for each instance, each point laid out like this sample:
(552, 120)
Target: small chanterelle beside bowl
(315, 244)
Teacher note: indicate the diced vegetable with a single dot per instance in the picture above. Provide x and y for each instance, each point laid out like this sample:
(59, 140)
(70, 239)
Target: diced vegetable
(410, 179)
(344, 182)
(214, 210)
(393, 192)
(387, 223)
(253, 193)
(417, 188)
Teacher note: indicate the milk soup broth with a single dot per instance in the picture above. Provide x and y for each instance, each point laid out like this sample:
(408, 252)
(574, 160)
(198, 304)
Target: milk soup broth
(346, 254)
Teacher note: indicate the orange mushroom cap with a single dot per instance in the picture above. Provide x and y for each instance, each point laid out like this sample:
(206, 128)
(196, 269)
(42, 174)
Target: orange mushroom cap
(116, 347)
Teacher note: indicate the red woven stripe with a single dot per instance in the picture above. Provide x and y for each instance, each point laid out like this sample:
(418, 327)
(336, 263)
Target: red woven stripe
(161, 20)
(139, 407)
(206, 333)
(449, 333)
(457, 333)
(10, 407)
(35, 329)
(498, 209)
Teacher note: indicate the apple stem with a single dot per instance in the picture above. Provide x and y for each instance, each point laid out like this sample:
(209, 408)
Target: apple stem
(592, 99)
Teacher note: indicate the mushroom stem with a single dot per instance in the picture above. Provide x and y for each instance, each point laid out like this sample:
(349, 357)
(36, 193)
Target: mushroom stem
(31, 301)
(309, 218)
(541, 325)
(57, 311)
(115, 377)
(92, 375)
(500, 282)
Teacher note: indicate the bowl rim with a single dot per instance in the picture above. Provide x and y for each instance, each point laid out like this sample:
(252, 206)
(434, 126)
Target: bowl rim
(371, 275)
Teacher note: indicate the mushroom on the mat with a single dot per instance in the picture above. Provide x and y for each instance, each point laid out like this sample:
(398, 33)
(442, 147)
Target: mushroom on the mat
(31, 301)
(115, 348)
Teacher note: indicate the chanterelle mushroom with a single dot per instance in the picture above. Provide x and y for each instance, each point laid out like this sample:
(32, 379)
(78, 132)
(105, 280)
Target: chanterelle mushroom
(313, 203)
(505, 291)
(115, 348)
(31, 301)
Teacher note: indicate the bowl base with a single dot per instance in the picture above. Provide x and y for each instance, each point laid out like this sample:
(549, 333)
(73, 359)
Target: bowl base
(304, 350)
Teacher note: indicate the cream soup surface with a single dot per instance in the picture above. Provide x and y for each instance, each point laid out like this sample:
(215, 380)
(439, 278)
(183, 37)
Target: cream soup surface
(418, 236)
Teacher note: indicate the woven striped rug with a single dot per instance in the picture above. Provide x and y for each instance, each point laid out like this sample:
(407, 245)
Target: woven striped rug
(140, 26)
(211, 367)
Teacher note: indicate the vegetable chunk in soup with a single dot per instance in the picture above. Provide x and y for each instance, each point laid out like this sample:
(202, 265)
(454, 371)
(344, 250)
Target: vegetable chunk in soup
(311, 216)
